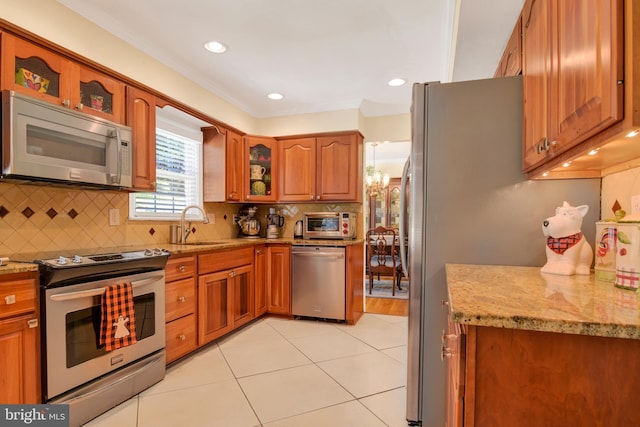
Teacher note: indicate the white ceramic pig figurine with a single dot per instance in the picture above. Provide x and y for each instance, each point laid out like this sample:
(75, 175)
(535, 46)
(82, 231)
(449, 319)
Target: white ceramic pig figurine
(568, 252)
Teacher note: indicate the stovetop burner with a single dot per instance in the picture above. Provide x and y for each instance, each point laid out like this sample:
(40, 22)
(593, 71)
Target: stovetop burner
(64, 271)
(81, 261)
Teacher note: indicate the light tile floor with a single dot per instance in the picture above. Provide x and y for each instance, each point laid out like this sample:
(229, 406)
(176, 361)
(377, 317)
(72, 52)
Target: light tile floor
(284, 373)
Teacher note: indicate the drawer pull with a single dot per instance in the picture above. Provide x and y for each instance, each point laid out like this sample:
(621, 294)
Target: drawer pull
(182, 269)
(10, 299)
(182, 298)
(182, 337)
(32, 323)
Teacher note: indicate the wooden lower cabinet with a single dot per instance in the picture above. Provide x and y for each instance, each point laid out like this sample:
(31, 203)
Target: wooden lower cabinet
(354, 292)
(260, 279)
(180, 307)
(279, 279)
(225, 292)
(515, 377)
(19, 339)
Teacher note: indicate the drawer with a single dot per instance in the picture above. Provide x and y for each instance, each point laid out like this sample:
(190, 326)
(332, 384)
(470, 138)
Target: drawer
(180, 268)
(225, 259)
(180, 298)
(182, 337)
(18, 295)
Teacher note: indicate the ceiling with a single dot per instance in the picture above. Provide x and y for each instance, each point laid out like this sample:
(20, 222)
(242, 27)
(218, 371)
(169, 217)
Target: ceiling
(321, 55)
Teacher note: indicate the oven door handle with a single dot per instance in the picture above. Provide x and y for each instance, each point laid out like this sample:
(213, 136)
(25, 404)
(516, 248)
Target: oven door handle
(99, 291)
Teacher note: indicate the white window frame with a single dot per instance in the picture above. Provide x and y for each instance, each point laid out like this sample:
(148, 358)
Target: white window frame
(178, 128)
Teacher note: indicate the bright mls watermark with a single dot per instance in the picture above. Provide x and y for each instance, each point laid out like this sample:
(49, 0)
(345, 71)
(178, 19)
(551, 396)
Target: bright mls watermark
(34, 415)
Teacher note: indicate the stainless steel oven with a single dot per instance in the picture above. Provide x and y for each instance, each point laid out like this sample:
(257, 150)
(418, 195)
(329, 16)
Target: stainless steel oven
(77, 369)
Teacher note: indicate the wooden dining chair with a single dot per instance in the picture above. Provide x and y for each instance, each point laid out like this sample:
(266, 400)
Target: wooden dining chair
(383, 257)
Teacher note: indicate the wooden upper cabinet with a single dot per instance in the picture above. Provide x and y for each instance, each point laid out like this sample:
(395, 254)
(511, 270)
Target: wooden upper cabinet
(233, 167)
(40, 73)
(323, 167)
(573, 74)
(297, 170)
(54, 72)
(260, 171)
(141, 116)
(586, 69)
(511, 62)
(535, 81)
(339, 168)
(98, 95)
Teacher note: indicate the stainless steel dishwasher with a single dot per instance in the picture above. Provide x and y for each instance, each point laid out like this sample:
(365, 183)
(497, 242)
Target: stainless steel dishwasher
(318, 282)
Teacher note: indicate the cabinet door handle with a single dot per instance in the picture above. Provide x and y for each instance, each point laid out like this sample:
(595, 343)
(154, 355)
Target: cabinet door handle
(182, 337)
(181, 298)
(446, 337)
(66, 102)
(446, 353)
(79, 106)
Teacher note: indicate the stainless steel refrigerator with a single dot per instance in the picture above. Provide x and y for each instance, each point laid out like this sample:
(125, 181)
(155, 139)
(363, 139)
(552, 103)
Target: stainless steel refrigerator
(469, 202)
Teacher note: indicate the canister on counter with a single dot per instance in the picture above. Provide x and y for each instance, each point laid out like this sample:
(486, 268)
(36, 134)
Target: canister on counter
(628, 256)
(605, 250)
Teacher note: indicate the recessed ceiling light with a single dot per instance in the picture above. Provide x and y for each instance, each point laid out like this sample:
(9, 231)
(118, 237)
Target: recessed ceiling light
(215, 46)
(396, 82)
(275, 96)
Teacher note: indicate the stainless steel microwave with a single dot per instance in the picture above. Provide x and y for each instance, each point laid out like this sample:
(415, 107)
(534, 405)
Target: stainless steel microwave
(45, 142)
(329, 225)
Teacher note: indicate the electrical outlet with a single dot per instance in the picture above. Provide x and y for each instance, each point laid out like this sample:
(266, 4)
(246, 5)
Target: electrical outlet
(635, 204)
(114, 216)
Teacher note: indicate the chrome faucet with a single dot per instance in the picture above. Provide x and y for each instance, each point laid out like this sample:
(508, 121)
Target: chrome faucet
(186, 231)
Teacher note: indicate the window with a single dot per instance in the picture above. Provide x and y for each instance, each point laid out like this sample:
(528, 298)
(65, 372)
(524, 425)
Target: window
(178, 179)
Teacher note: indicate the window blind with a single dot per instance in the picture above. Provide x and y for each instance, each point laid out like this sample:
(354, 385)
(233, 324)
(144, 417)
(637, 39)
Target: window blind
(178, 179)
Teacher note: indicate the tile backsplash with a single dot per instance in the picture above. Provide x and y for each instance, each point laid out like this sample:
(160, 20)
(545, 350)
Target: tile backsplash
(39, 218)
(36, 218)
(619, 187)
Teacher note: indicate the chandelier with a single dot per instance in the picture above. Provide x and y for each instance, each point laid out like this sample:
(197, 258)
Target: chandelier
(376, 182)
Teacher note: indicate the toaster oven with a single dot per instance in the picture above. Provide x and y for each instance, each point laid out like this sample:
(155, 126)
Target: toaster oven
(329, 225)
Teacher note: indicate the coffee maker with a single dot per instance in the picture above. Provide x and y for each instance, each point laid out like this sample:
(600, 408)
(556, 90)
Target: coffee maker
(274, 223)
(248, 223)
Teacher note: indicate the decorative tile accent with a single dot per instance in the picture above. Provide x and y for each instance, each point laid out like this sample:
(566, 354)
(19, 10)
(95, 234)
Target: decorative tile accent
(152, 231)
(51, 213)
(73, 214)
(616, 206)
(3, 211)
(28, 212)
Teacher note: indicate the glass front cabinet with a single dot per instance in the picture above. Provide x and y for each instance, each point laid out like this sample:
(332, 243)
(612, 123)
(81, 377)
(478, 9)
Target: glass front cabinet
(37, 72)
(260, 171)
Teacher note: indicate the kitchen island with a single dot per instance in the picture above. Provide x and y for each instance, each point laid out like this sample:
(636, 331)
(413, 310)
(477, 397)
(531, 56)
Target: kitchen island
(531, 349)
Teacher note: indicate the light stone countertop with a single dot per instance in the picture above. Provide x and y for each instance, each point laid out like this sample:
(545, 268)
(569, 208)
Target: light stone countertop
(524, 298)
(193, 247)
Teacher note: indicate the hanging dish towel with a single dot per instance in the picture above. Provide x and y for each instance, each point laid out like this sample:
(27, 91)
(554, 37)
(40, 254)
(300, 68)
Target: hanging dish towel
(118, 325)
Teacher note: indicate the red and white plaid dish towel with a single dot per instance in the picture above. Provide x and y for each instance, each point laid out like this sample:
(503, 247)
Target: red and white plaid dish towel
(118, 323)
